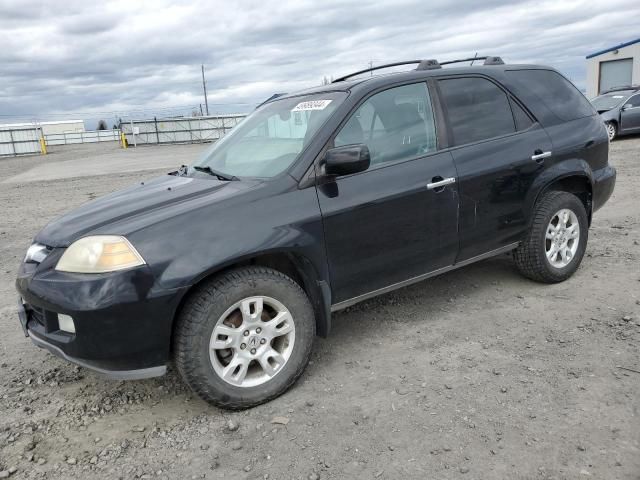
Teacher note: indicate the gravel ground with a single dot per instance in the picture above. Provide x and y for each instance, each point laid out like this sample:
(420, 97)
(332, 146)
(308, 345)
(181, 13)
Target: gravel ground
(478, 373)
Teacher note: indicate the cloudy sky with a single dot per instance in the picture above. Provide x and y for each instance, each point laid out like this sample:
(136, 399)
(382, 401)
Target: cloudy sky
(104, 59)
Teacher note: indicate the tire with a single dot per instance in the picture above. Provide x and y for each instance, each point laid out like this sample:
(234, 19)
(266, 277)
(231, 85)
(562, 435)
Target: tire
(534, 256)
(612, 130)
(261, 293)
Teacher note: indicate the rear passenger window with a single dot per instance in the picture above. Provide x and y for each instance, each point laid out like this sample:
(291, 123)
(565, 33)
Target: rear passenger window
(523, 121)
(477, 109)
(555, 92)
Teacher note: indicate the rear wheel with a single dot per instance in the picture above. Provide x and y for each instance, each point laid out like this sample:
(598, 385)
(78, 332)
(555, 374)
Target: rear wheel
(612, 130)
(244, 337)
(556, 243)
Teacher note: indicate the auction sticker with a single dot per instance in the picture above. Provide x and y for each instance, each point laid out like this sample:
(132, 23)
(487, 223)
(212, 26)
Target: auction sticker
(311, 105)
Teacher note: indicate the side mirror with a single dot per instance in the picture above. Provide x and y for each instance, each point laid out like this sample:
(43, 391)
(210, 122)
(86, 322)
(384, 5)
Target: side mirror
(347, 160)
(627, 106)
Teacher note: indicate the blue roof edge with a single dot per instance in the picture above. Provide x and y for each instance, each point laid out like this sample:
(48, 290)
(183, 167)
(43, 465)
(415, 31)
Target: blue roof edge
(611, 49)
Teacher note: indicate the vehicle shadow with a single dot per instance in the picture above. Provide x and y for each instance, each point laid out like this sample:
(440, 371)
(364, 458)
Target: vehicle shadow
(433, 296)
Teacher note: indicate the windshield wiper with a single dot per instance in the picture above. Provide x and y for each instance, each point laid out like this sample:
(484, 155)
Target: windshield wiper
(215, 173)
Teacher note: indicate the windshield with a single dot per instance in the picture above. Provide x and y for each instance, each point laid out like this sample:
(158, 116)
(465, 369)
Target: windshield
(271, 138)
(610, 100)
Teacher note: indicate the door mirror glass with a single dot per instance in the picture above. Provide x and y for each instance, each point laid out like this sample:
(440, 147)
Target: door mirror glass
(346, 160)
(627, 106)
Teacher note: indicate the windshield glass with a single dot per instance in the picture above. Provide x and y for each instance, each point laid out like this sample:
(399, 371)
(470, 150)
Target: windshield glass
(611, 100)
(271, 138)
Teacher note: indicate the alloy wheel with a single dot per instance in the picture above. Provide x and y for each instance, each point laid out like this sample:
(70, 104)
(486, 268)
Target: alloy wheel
(252, 341)
(562, 238)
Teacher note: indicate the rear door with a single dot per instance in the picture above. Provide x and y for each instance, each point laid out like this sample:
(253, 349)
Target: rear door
(630, 116)
(388, 224)
(498, 150)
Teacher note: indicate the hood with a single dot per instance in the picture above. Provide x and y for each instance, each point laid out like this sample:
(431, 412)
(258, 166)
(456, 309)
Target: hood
(611, 114)
(135, 207)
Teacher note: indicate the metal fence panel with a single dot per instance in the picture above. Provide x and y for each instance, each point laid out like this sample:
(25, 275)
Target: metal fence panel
(90, 136)
(180, 130)
(19, 141)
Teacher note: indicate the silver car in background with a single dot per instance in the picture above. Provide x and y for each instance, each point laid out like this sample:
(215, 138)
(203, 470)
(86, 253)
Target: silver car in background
(620, 110)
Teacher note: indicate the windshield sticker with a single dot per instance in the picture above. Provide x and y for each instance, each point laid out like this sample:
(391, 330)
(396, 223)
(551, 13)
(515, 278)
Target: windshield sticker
(311, 105)
(618, 96)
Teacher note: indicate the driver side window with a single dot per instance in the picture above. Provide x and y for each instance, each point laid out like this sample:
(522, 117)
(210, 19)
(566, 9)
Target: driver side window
(634, 101)
(396, 124)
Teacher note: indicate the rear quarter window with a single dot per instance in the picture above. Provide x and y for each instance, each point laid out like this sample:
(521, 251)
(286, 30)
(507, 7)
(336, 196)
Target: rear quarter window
(556, 92)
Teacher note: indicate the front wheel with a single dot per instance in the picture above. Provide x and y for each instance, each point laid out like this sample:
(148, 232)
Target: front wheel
(612, 130)
(244, 337)
(555, 245)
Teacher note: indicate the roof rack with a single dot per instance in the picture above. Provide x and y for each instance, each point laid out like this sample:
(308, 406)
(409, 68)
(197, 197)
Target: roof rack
(423, 65)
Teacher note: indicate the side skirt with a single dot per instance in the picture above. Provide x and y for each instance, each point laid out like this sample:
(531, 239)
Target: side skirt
(366, 296)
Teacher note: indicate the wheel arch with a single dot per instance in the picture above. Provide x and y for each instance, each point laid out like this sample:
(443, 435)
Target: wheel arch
(579, 184)
(299, 268)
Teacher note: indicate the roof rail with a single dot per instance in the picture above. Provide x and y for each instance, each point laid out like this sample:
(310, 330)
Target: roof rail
(378, 67)
(423, 65)
(428, 65)
(487, 60)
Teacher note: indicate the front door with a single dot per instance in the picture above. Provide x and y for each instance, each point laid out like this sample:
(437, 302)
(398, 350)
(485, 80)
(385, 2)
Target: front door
(390, 223)
(630, 116)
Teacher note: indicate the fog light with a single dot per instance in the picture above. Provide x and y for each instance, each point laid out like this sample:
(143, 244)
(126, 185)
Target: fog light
(65, 322)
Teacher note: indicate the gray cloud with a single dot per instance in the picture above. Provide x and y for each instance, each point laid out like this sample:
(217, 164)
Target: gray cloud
(143, 58)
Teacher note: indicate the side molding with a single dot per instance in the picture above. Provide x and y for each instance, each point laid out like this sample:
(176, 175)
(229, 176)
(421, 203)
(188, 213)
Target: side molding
(352, 301)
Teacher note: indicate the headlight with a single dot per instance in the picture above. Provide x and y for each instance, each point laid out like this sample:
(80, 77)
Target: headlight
(99, 254)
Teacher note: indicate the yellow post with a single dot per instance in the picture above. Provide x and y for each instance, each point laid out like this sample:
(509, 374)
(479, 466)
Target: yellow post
(43, 146)
(123, 139)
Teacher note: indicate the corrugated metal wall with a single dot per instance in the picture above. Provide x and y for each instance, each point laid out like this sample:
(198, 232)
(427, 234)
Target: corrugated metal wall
(19, 141)
(180, 130)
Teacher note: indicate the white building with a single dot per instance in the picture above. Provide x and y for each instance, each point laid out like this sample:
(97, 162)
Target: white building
(51, 128)
(613, 67)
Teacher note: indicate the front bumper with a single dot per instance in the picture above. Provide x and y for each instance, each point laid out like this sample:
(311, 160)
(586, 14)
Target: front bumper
(604, 181)
(136, 374)
(122, 321)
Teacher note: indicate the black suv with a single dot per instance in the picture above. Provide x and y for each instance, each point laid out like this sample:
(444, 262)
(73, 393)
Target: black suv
(318, 200)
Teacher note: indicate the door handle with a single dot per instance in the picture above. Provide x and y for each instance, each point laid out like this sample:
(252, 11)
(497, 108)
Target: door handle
(440, 183)
(540, 155)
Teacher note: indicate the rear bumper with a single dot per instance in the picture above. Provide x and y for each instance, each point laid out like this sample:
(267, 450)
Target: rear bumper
(604, 181)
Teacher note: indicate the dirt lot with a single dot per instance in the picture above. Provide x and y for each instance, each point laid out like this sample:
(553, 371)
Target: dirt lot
(475, 374)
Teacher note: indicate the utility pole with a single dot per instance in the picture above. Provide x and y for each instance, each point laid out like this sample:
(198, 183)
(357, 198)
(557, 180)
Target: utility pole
(204, 87)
